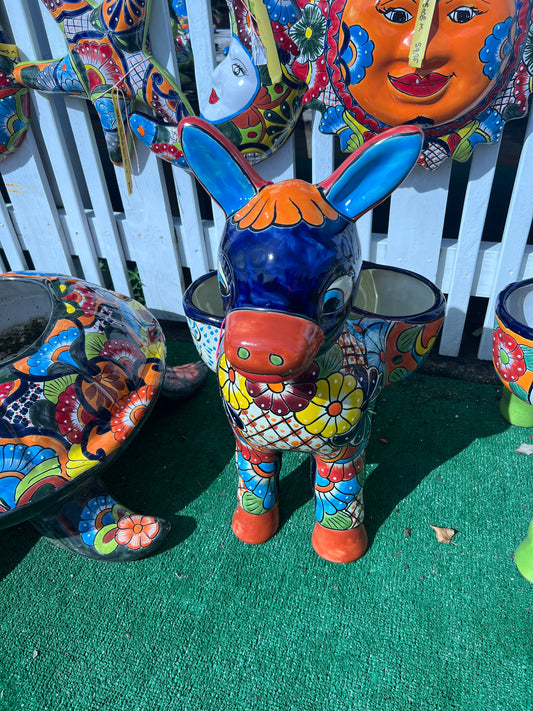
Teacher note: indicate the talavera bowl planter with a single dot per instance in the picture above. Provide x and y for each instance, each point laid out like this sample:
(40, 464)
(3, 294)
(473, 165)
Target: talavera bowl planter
(395, 318)
(512, 351)
(512, 355)
(80, 369)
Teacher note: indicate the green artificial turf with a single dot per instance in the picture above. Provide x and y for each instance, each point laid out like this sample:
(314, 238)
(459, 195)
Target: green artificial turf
(209, 623)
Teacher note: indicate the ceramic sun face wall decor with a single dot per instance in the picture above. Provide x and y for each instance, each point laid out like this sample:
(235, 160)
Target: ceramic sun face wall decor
(472, 74)
(14, 100)
(301, 364)
(255, 99)
(109, 62)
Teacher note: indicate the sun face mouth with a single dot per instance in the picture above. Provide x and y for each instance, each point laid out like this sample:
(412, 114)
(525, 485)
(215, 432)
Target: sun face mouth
(420, 87)
(213, 97)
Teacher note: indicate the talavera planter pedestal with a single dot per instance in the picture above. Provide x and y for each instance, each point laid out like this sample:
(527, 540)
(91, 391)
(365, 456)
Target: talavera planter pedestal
(512, 355)
(80, 369)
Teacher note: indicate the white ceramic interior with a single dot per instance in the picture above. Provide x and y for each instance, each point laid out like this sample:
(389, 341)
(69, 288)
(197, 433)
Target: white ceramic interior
(519, 305)
(206, 297)
(396, 294)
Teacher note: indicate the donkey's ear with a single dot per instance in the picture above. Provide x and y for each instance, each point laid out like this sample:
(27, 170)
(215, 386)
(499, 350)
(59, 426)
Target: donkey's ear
(221, 169)
(370, 174)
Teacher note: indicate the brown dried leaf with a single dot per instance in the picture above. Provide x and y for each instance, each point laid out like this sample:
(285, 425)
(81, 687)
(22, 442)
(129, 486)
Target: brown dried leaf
(444, 535)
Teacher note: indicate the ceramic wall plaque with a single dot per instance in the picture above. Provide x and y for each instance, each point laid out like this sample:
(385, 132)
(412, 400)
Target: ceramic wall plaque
(254, 99)
(109, 62)
(474, 71)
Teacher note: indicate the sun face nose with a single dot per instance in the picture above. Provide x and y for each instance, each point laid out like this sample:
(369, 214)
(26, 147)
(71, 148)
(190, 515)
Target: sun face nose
(270, 347)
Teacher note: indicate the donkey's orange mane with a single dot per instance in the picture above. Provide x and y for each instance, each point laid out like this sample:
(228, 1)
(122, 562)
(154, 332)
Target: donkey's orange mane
(285, 204)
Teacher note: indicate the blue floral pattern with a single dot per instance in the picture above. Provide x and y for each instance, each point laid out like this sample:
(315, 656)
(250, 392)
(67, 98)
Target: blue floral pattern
(55, 350)
(357, 55)
(14, 101)
(333, 497)
(20, 464)
(497, 48)
(10, 121)
(260, 480)
(66, 77)
(333, 121)
(106, 113)
(282, 11)
(100, 508)
(375, 339)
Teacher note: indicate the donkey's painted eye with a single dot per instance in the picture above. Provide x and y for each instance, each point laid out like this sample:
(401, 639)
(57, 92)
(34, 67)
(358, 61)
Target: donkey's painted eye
(333, 301)
(337, 294)
(225, 275)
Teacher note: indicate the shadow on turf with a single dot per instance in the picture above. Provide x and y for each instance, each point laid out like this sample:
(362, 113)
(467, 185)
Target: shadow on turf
(412, 427)
(432, 429)
(184, 447)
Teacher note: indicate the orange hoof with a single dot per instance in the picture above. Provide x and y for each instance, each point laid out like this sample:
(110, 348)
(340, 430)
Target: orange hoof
(254, 528)
(340, 546)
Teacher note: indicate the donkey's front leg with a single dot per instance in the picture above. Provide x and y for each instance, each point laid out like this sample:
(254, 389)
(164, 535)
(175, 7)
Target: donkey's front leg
(256, 517)
(339, 534)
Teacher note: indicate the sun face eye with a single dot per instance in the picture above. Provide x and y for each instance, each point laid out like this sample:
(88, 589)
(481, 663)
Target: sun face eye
(337, 294)
(398, 15)
(463, 14)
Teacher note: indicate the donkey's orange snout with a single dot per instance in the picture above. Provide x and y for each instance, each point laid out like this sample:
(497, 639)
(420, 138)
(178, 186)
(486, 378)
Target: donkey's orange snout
(270, 347)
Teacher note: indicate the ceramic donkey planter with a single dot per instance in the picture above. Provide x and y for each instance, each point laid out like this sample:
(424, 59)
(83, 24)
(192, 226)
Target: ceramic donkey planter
(297, 368)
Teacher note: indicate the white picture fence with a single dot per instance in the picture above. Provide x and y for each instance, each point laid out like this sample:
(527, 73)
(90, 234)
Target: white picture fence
(65, 208)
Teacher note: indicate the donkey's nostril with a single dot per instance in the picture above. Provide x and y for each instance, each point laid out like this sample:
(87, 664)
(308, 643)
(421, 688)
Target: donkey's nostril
(275, 359)
(243, 353)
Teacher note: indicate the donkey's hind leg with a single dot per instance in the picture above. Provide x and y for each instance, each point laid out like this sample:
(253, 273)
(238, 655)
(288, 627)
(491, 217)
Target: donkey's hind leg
(256, 517)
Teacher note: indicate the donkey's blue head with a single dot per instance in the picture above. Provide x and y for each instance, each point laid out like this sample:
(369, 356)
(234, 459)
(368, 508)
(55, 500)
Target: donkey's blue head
(289, 258)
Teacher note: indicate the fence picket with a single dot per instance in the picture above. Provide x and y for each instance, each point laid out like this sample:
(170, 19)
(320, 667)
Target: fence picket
(416, 221)
(9, 241)
(91, 177)
(466, 255)
(34, 211)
